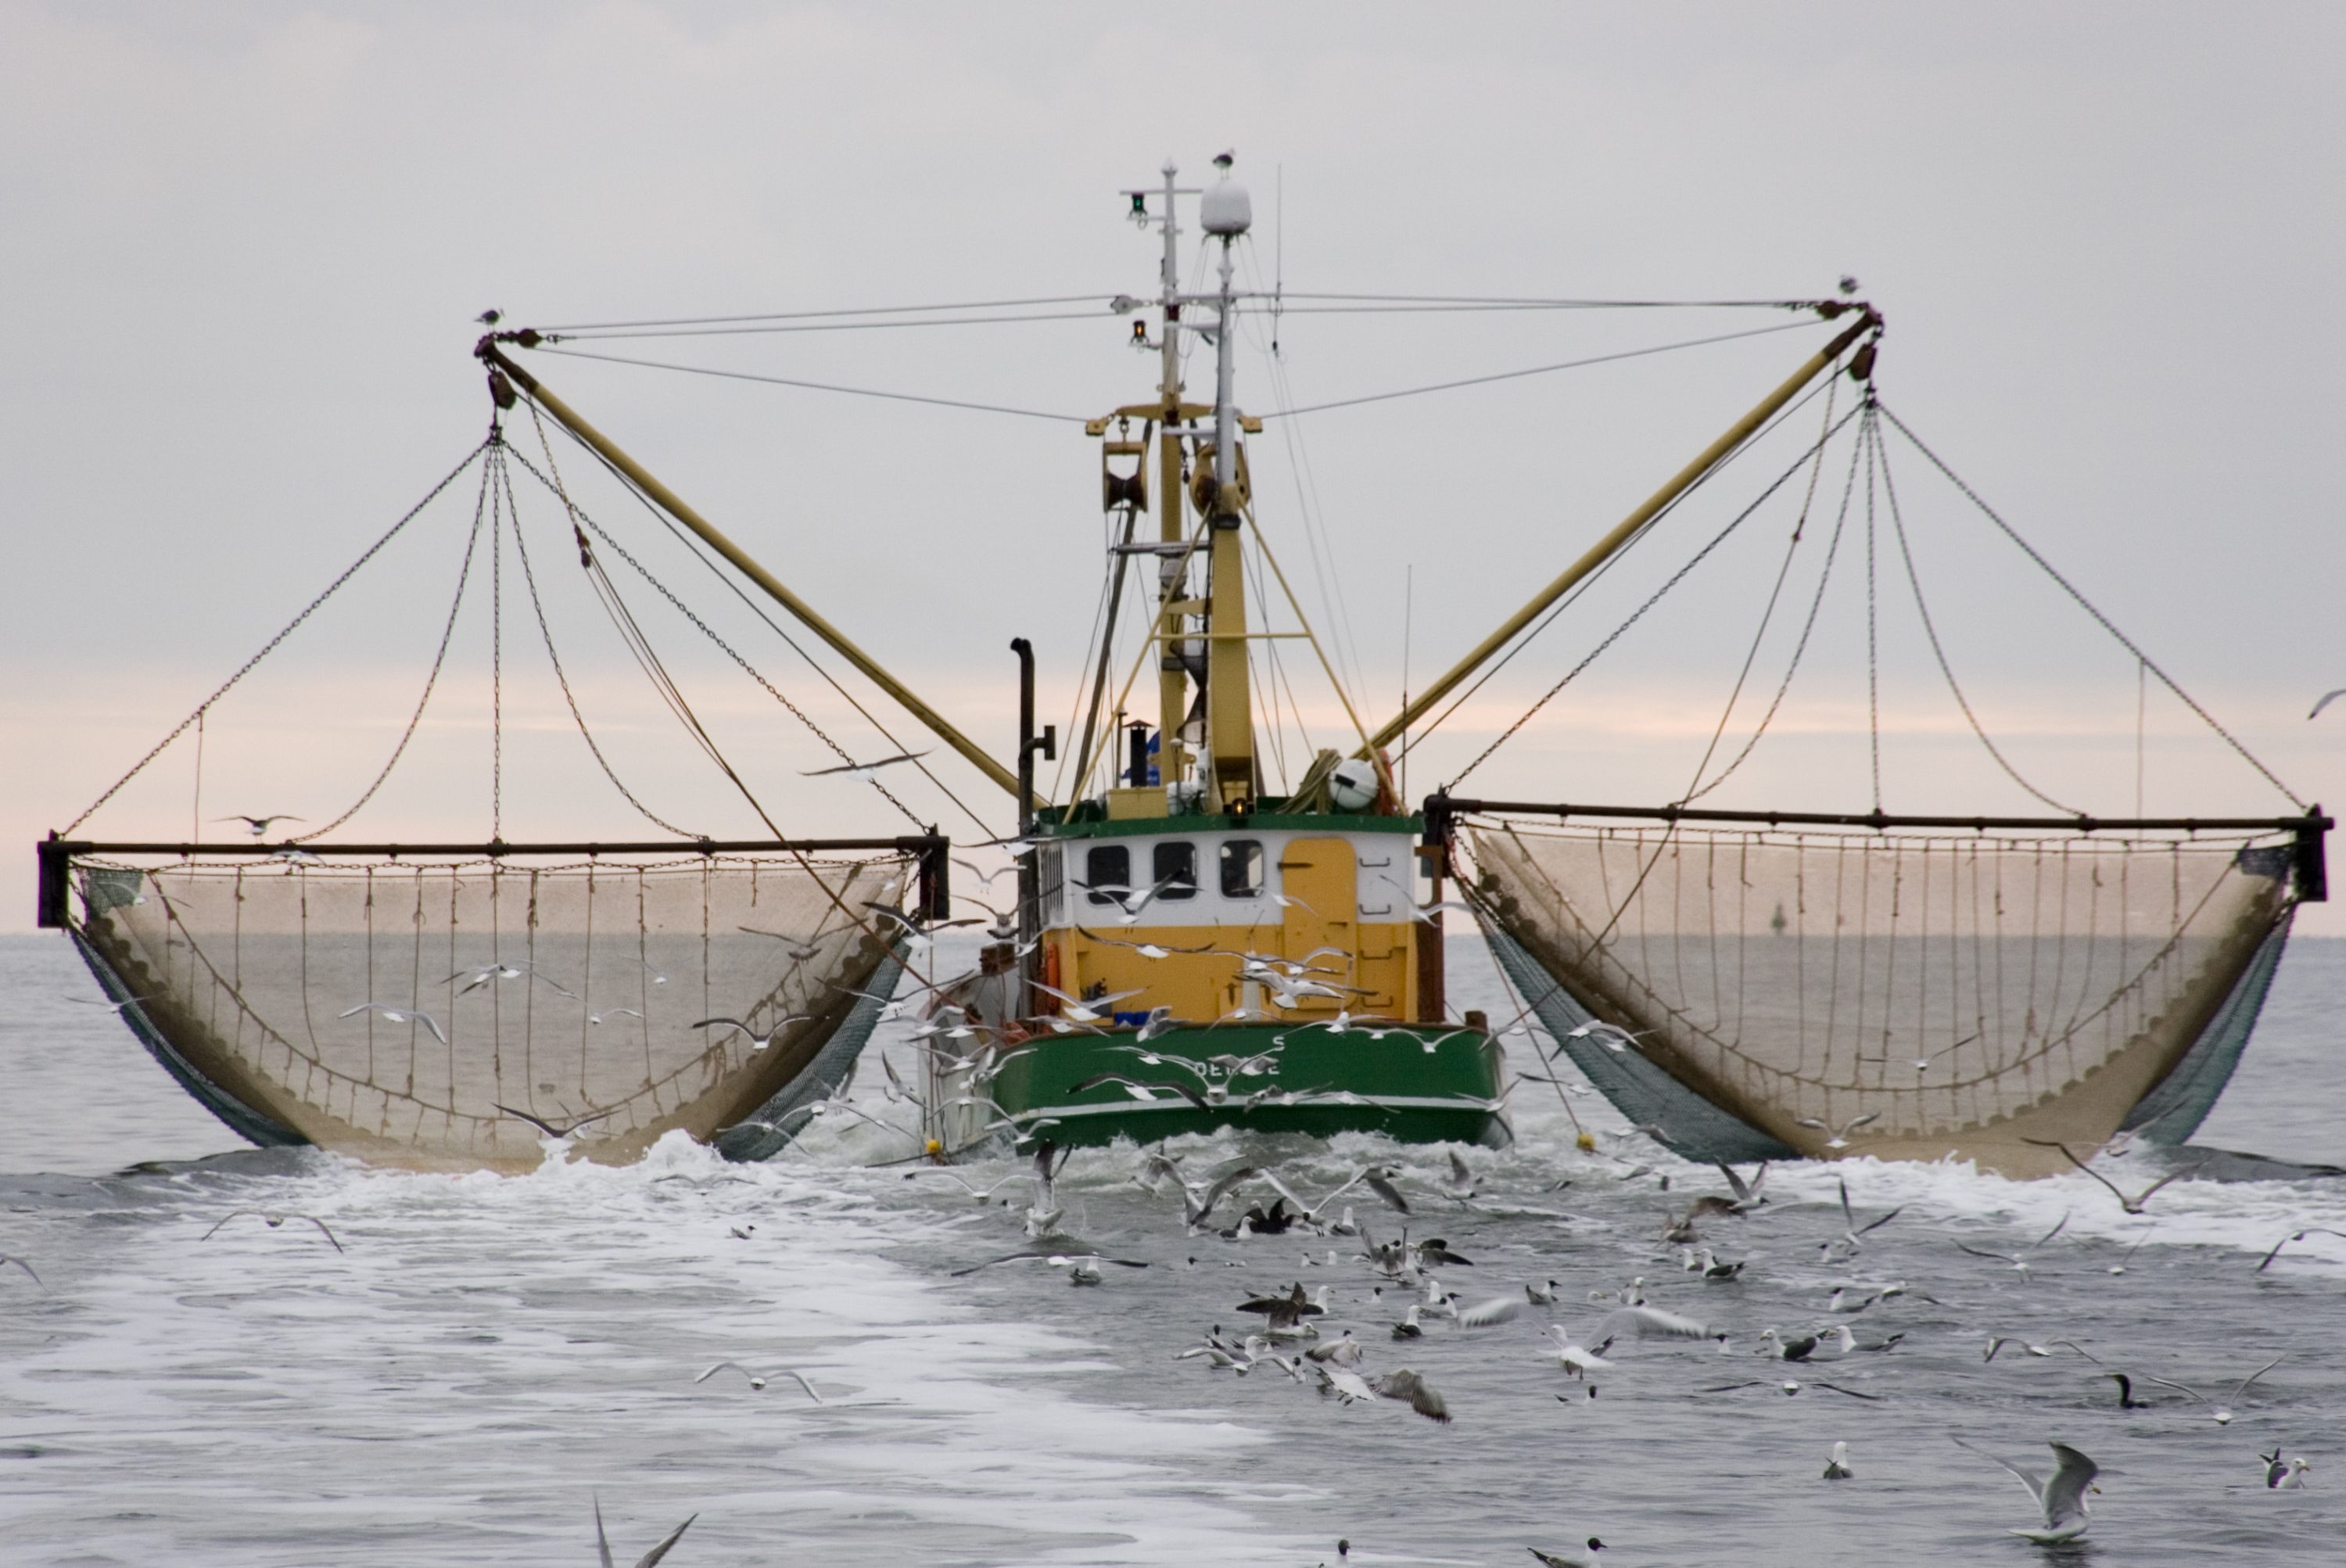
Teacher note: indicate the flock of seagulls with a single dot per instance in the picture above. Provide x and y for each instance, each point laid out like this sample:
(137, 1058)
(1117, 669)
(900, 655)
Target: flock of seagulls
(1323, 1338)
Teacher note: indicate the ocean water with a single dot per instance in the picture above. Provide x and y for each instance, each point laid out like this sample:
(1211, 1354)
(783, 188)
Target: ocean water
(489, 1356)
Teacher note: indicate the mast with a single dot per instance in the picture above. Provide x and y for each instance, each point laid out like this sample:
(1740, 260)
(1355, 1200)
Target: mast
(1226, 213)
(1172, 579)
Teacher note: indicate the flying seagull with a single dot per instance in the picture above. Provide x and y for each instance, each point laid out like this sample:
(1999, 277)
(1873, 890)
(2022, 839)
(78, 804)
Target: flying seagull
(2019, 1260)
(649, 1559)
(273, 1221)
(2131, 1205)
(2327, 697)
(1838, 1138)
(757, 1042)
(5, 1259)
(549, 1128)
(260, 824)
(2063, 1498)
(2222, 1412)
(863, 770)
(392, 1015)
(758, 1380)
(2296, 1236)
(1402, 1383)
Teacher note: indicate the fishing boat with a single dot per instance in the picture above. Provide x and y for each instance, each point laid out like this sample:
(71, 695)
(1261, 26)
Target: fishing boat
(1222, 923)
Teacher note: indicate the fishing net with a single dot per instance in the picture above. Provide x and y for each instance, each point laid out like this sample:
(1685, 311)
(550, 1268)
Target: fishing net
(389, 1008)
(1968, 991)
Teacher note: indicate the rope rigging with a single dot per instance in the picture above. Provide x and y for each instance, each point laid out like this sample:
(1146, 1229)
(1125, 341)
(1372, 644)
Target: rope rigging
(271, 646)
(734, 587)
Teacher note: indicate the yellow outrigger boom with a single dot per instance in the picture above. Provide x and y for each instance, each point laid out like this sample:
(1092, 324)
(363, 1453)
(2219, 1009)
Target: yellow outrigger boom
(1679, 483)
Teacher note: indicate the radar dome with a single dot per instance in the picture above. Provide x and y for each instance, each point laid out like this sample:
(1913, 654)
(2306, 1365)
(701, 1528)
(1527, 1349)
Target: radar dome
(1226, 209)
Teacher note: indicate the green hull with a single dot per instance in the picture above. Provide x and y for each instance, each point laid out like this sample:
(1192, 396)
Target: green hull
(1417, 1084)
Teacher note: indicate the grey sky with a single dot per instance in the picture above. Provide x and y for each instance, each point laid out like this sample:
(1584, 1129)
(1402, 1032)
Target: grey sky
(245, 244)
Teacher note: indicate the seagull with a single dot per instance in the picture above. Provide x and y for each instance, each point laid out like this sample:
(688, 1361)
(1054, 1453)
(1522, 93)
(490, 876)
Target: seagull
(1841, 1335)
(1848, 285)
(983, 1195)
(1837, 1468)
(1132, 904)
(2063, 1498)
(1404, 1383)
(1087, 1009)
(1461, 1185)
(1840, 1135)
(649, 1559)
(1541, 1295)
(549, 1128)
(1853, 1236)
(2221, 1412)
(596, 1018)
(2019, 1260)
(5, 1259)
(481, 974)
(758, 1380)
(1648, 1323)
(1349, 1386)
(1381, 1182)
(2280, 1477)
(1799, 1347)
(1998, 1341)
(1283, 1312)
(115, 1006)
(260, 824)
(1139, 1088)
(757, 1042)
(1788, 1387)
(399, 1016)
(1058, 1260)
(1559, 1560)
(985, 879)
(273, 1221)
(1574, 1359)
(1197, 1206)
(863, 770)
(490, 317)
(2131, 1205)
(2327, 699)
(2127, 1401)
(1409, 1327)
(1148, 949)
(2296, 1236)
(1485, 1315)
(798, 947)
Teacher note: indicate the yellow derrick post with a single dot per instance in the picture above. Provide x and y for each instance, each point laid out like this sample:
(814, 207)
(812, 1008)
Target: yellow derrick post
(676, 507)
(1627, 529)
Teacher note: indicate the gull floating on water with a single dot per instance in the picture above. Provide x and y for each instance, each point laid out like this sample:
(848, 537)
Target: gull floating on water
(2280, 1477)
(1837, 1468)
(1566, 1560)
(2062, 1499)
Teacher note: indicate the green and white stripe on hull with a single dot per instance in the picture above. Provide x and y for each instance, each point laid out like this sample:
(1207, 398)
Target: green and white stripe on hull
(1413, 1083)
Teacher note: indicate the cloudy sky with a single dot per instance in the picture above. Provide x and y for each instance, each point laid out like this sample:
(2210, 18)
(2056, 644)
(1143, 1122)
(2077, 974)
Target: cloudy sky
(246, 243)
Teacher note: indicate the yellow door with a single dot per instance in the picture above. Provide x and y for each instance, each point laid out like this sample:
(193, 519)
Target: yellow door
(1320, 875)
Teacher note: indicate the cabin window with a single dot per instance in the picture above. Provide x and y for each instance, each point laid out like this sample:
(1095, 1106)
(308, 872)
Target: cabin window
(1175, 870)
(1108, 874)
(1241, 868)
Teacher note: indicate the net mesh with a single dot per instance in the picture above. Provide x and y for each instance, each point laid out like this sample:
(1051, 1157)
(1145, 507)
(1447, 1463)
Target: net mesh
(389, 1009)
(1967, 992)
